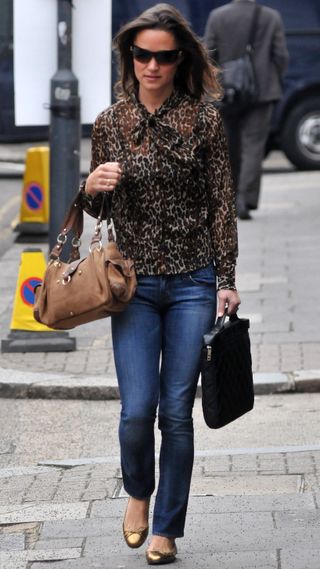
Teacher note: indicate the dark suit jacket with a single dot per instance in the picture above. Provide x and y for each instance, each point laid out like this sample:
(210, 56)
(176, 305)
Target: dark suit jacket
(226, 36)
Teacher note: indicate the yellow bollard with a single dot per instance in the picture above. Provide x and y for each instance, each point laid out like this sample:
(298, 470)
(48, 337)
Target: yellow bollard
(34, 210)
(28, 335)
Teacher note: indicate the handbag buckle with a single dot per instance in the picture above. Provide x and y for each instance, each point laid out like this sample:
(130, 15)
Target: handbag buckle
(96, 246)
(62, 238)
(209, 353)
(76, 242)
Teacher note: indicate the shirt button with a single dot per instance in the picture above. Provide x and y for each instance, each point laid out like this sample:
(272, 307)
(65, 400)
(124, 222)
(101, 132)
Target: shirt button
(162, 269)
(152, 122)
(164, 248)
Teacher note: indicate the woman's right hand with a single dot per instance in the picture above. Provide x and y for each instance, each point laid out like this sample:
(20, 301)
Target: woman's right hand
(104, 178)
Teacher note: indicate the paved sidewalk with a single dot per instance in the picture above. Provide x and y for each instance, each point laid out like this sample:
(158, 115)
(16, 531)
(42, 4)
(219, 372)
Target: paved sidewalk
(249, 509)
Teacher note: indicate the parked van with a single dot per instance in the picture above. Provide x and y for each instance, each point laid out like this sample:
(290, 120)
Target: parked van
(296, 121)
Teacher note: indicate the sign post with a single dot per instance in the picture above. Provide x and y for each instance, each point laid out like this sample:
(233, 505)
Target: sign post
(64, 127)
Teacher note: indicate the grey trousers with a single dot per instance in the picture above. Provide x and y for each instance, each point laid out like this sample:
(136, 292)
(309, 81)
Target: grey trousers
(247, 136)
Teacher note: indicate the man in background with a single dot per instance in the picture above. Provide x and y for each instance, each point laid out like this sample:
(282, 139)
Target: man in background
(226, 37)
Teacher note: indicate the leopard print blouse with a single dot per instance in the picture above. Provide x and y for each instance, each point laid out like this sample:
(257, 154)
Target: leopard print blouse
(174, 209)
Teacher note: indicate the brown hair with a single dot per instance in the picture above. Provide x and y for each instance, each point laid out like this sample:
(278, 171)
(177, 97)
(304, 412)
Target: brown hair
(196, 75)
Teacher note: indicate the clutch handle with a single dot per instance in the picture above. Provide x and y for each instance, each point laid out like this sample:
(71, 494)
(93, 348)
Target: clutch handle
(221, 320)
(219, 324)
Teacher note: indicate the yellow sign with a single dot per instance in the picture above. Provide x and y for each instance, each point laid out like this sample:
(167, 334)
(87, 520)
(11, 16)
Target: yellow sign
(35, 194)
(31, 271)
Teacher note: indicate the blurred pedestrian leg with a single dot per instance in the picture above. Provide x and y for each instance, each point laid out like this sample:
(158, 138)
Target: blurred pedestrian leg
(247, 136)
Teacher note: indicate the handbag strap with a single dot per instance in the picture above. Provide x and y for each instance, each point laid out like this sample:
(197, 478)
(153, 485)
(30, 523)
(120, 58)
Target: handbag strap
(73, 221)
(252, 32)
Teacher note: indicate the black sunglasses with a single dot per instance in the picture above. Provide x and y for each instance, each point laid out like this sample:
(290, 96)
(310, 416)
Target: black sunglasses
(162, 57)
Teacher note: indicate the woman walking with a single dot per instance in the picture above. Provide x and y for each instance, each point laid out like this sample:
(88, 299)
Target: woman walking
(161, 151)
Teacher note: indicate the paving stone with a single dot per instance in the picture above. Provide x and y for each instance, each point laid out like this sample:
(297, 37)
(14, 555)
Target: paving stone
(299, 464)
(243, 463)
(35, 555)
(271, 461)
(300, 519)
(76, 528)
(40, 512)
(199, 537)
(17, 482)
(111, 508)
(14, 498)
(300, 558)
(39, 493)
(15, 564)
(65, 495)
(251, 503)
(95, 495)
(81, 470)
(103, 471)
(109, 544)
(311, 483)
(12, 542)
(229, 560)
(247, 484)
(65, 543)
(215, 464)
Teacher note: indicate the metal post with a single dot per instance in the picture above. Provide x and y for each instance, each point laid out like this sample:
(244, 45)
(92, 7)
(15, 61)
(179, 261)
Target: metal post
(64, 145)
(64, 128)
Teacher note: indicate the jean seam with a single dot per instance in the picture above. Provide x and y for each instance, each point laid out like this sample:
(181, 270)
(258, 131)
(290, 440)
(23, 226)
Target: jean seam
(200, 283)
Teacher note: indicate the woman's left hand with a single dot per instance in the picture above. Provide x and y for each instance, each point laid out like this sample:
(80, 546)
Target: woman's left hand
(230, 299)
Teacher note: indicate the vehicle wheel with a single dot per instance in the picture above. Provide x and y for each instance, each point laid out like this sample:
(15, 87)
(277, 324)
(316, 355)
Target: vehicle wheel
(300, 137)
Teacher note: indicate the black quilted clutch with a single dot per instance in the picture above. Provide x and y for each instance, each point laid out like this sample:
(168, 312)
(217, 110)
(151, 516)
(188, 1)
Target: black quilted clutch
(226, 372)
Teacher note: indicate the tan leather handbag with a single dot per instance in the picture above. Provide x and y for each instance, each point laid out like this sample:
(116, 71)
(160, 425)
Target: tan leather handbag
(85, 289)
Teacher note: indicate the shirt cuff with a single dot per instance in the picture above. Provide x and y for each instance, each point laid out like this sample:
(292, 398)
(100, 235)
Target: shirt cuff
(227, 277)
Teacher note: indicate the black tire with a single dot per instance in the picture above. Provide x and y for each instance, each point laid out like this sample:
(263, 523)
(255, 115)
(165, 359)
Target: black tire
(300, 136)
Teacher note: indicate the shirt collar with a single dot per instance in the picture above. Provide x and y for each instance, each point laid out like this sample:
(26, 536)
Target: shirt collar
(170, 103)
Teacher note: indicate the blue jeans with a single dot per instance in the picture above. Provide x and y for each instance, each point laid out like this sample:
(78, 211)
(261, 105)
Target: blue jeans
(157, 344)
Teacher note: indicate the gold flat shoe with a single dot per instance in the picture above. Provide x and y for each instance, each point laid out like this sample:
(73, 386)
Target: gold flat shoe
(161, 557)
(136, 538)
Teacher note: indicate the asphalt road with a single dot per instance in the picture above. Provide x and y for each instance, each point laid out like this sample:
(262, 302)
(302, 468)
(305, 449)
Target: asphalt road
(40, 430)
(10, 197)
